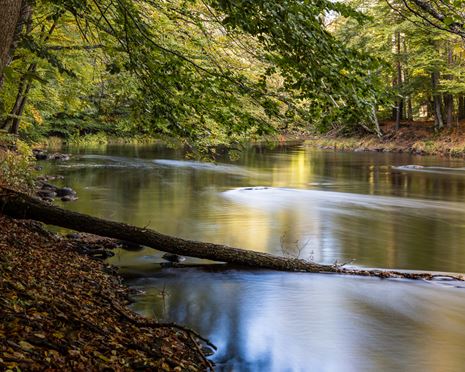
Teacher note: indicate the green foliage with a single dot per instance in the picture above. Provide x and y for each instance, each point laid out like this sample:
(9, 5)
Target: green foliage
(206, 71)
(424, 49)
(16, 164)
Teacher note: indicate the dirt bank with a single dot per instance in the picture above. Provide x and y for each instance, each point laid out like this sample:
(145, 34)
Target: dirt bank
(414, 138)
(63, 310)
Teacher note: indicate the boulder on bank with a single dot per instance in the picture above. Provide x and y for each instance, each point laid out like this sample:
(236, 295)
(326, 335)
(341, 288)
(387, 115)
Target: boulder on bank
(41, 154)
(60, 157)
(47, 191)
(65, 191)
(68, 198)
(46, 194)
(175, 258)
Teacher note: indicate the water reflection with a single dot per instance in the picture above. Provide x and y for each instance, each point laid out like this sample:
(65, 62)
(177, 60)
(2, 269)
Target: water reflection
(296, 322)
(346, 205)
(321, 205)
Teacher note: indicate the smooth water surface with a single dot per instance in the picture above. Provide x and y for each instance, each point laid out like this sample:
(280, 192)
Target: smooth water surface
(373, 208)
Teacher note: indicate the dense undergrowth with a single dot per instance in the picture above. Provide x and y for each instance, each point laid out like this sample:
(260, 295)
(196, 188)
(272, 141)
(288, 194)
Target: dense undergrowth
(16, 163)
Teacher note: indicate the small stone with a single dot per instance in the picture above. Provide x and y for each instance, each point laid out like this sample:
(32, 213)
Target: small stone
(173, 257)
(73, 236)
(48, 186)
(41, 156)
(65, 191)
(46, 193)
(68, 198)
(130, 246)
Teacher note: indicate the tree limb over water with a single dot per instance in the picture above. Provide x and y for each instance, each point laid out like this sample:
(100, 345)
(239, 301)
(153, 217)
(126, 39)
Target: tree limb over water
(22, 206)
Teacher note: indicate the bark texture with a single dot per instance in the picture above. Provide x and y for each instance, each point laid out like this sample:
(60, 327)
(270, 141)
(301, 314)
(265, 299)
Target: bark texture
(10, 11)
(22, 206)
(438, 119)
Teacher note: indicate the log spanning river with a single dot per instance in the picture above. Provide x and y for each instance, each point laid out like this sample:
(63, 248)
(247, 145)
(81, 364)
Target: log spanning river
(381, 210)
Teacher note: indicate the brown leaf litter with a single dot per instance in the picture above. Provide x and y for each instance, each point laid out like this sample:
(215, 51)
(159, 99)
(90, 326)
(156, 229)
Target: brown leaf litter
(62, 310)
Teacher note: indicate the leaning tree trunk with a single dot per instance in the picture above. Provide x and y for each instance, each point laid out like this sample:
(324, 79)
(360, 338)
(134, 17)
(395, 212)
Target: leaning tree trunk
(17, 119)
(19, 205)
(18, 107)
(25, 83)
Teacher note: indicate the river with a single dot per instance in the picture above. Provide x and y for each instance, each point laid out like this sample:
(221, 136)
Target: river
(370, 209)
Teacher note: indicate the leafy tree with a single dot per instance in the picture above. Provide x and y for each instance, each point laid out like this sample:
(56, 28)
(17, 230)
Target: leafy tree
(199, 69)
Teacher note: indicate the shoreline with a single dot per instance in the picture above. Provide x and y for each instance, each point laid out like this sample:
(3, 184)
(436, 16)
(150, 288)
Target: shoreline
(415, 140)
(63, 309)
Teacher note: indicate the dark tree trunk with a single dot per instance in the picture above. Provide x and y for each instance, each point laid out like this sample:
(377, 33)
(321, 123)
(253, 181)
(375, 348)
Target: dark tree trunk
(17, 119)
(19, 205)
(25, 84)
(10, 11)
(13, 120)
(449, 109)
(13, 15)
(437, 106)
(461, 108)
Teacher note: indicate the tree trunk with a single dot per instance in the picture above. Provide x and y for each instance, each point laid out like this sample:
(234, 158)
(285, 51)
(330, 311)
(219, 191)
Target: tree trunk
(408, 98)
(449, 109)
(18, 205)
(449, 98)
(11, 10)
(400, 101)
(17, 119)
(14, 14)
(16, 112)
(438, 120)
(461, 108)
(25, 83)
(409, 109)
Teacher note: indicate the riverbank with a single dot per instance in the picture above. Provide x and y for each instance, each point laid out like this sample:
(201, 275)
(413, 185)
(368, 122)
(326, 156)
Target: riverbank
(63, 310)
(418, 139)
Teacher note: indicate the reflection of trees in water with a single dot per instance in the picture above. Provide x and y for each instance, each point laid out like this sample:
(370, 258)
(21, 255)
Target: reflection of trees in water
(194, 302)
(185, 202)
(395, 239)
(273, 321)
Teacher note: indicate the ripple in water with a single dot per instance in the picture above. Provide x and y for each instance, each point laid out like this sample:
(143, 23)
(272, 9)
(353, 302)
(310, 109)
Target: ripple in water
(215, 167)
(276, 198)
(438, 170)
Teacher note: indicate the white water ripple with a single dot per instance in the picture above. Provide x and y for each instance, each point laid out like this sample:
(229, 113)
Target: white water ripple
(276, 198)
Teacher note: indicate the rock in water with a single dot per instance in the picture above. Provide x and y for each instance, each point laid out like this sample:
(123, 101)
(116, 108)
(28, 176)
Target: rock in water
(40, 154)
(413, 166)
(65, 191)
(130, 246)
(173, 257)
(60, 157)
(68, 198)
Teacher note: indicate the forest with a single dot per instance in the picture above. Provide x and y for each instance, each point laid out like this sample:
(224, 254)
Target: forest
(232, 185)
(215, 71)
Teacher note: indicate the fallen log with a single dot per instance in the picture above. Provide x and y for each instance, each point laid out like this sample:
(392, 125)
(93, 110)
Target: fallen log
(22, 206)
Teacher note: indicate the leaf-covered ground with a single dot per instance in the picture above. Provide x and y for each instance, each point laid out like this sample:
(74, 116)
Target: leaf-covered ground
(61, 310)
